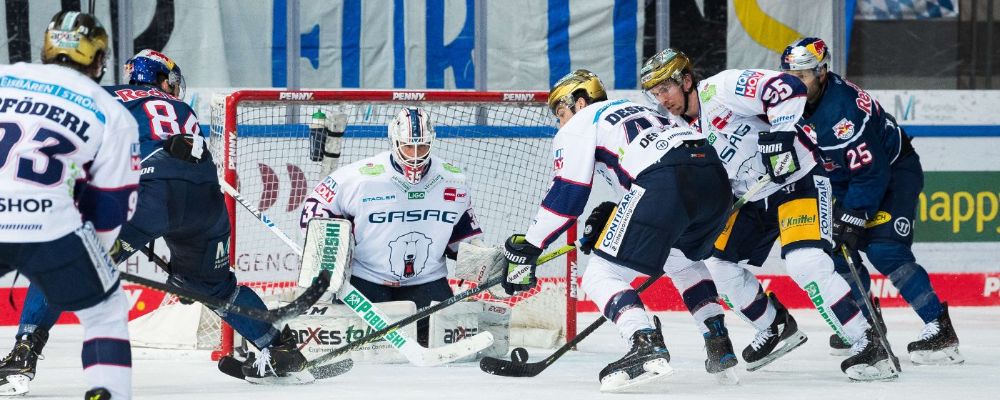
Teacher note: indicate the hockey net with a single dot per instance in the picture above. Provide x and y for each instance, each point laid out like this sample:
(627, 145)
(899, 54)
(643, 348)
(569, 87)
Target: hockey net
(502, 141)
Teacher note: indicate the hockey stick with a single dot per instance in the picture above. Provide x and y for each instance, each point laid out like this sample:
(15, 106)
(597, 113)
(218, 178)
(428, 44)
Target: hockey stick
(278, 316)
(876, 316)
(496, 366)
(391, 332)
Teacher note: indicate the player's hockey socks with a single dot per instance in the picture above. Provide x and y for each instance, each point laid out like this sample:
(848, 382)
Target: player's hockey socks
(763, 349)
(647, 361)
(281, 363)
(869, 360)
(721, 358)
(18, 367)
(938, 343)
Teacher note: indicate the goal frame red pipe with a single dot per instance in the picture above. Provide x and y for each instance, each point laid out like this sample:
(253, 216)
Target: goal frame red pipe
(307, 96)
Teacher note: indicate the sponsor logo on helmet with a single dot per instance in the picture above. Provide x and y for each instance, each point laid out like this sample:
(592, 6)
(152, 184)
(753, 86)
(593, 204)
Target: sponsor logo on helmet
(408, 96)
(843, 129)
(746, 85)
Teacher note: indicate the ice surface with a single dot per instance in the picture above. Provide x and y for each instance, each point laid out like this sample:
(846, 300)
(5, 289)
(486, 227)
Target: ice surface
(807, 373)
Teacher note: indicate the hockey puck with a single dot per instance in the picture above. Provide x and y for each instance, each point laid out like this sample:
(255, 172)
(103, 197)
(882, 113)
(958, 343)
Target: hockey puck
(519, 355)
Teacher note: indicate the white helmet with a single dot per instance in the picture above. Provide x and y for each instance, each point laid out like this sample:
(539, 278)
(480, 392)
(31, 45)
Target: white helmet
(411, 128)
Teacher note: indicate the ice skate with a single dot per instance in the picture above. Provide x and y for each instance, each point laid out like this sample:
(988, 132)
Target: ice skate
(763, 349)
(18, 367)
(937, 344)
(647, 361)
(279, 364)
(869, 360)
(721, 358)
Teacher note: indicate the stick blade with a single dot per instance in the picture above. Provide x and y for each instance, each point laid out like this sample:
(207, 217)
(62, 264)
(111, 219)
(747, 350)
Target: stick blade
(496, 366)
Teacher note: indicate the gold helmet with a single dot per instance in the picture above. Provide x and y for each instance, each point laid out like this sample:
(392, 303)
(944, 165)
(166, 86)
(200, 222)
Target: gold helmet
(78, 36)
(581, 79)
(667, 64)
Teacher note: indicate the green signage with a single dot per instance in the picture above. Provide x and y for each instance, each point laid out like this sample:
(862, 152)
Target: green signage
(959, 206)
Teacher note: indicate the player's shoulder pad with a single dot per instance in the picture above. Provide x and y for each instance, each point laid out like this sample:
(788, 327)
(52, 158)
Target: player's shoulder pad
(373, 167)
(449, 170)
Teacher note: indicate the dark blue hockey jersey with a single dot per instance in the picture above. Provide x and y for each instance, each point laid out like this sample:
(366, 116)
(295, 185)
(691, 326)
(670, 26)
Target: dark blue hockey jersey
(160, 116)
(858, 140)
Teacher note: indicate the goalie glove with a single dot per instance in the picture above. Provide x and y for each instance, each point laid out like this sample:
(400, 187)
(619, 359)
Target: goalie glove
(778, 154)
(522, 257)
(848, 228)
(595, 224)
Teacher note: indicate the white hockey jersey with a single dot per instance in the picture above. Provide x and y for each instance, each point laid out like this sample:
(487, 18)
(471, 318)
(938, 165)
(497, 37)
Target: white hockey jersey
(69, 152)
(736, 105)
(624, 136)
(401, 230)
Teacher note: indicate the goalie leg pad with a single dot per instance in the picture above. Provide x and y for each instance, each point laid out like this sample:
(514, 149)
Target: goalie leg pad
(453, 324)
(329, 245)
(495, 318)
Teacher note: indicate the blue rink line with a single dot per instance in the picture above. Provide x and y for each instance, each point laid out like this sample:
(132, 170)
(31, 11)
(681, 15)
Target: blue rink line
(373, 131)
(370, 131)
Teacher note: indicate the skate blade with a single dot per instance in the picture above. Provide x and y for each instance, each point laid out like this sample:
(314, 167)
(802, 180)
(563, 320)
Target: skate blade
(291, 378)
(787, 345)
(727, 377)
(945, 356)
(882, 370)
(840, 352)
(14, 385)
(619, 381)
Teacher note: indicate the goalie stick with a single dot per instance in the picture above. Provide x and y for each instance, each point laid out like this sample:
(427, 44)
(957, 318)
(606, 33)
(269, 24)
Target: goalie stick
(278, 316)
(416, 354)
(518, 367)
(390, 331)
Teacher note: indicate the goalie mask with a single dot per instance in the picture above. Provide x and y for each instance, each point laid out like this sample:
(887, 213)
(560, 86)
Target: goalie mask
(411, 135)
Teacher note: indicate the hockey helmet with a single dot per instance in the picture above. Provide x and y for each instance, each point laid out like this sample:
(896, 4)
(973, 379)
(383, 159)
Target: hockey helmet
(74, 36)
(805, 54)
(408, 132)
(151, 67)
(668, 64)
(563, 91)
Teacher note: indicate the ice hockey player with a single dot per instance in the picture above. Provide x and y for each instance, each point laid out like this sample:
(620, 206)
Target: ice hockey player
(180, 201)
(676, 196)
(410, 210)
(877, 178)
(743, 113)
(67, 184)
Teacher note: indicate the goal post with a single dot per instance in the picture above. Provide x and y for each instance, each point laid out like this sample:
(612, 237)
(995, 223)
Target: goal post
(501, 140)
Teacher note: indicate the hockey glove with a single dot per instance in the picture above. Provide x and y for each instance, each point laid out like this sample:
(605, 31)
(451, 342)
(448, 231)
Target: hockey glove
(186, 147)
(778, 154)
(595, 224)
(848, 228)
(522, 257)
